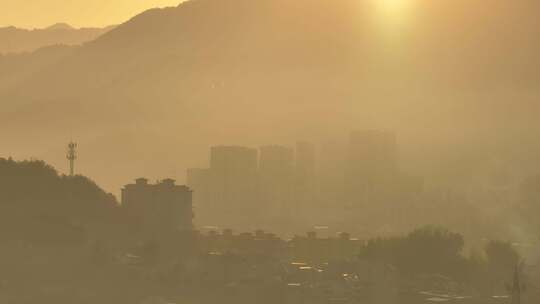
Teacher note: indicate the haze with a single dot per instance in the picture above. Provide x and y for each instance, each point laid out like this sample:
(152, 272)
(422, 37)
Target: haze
(270, 151)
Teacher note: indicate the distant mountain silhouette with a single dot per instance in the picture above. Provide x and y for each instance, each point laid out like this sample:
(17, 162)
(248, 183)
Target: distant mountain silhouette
(172, 81)
(15, 40)
(60, 26)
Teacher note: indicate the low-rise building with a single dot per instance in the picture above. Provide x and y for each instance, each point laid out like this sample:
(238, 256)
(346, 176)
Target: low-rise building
(159, 207)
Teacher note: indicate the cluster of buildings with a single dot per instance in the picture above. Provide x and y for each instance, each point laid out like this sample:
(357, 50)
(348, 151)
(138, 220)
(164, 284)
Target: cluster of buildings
(244, 186)
(275, 187)
(247, 188)
(310, 248)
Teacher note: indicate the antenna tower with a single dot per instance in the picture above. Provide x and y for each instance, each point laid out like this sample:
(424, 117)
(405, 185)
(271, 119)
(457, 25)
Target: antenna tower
(72, 156)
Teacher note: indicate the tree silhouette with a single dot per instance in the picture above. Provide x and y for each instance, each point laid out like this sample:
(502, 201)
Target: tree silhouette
(39, 205)
(428, 250)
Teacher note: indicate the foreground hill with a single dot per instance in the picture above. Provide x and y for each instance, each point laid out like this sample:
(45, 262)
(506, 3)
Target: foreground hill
(39, 206)
(172, 81)
(16, 40)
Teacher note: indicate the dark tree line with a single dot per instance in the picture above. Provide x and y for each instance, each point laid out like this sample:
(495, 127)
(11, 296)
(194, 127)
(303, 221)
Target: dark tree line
(437, 251)
(39, 205)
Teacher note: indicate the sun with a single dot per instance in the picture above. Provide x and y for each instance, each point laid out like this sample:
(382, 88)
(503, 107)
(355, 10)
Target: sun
(392, 7)
(392, 4)
(394, 12)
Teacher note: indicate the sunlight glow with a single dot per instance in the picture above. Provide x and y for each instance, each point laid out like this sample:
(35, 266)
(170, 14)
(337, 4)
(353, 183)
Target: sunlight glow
(392, 5)
(393, 11)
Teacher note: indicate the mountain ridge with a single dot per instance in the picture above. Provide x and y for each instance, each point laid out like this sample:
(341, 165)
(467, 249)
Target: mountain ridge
(18, 40)
(239, 71)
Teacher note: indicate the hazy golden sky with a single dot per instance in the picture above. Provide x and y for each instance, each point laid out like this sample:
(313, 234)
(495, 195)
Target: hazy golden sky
(78, 13)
